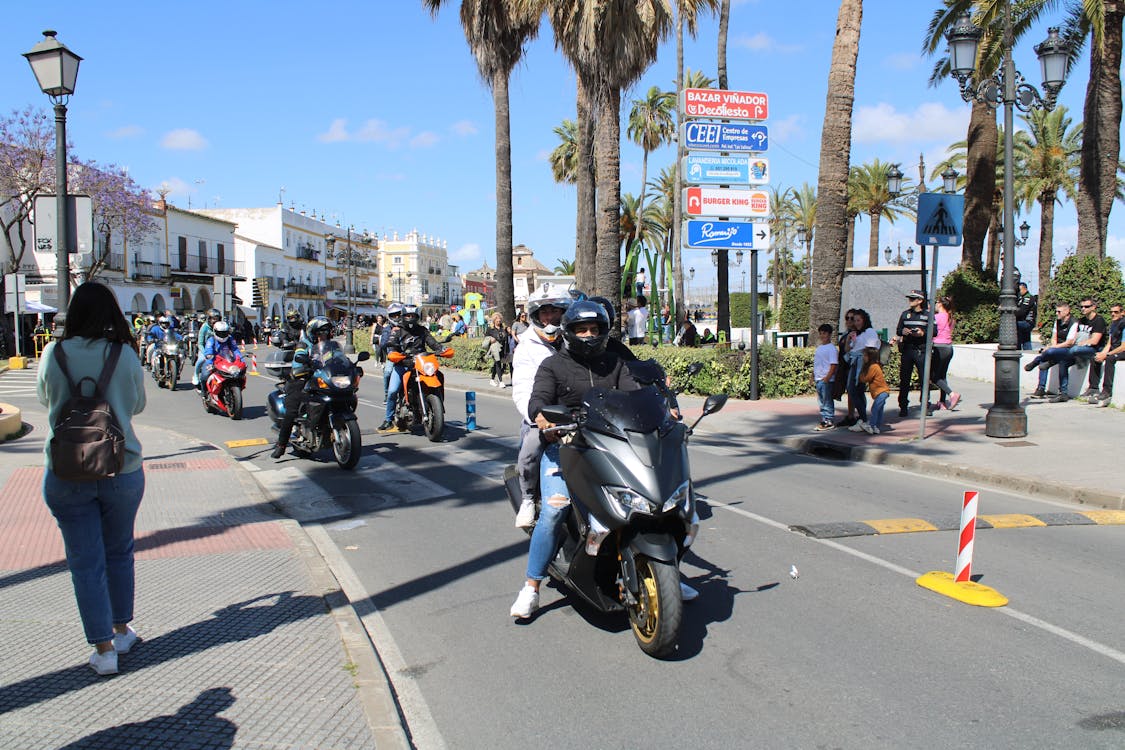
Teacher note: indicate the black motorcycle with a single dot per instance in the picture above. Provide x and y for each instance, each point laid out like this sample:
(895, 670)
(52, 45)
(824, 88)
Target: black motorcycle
(167, 359)
(327, 414)
(625, 462)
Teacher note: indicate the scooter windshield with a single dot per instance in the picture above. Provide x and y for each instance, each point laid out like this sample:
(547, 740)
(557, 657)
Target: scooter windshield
(613, 412)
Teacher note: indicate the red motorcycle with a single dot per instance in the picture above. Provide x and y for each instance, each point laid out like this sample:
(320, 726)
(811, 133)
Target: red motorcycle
(222, 389)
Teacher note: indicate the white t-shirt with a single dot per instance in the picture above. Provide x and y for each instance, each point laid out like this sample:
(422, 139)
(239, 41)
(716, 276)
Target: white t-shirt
(868, 339)
(823, 359)
(637, 322)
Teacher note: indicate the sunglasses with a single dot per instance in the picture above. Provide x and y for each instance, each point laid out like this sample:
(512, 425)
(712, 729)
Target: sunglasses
(1115, 312)
(1085, 307)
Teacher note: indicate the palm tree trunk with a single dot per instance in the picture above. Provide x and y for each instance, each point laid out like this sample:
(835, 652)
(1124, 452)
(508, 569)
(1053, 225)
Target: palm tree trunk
(981, 182)
(586, 245)
(1101, 141)
(1046, 238)
(505, 290)
(849, 254)
(607, 152)
(992, 267)
(724, 24)
(723, 322)
(832, 183)
(873, 241)
(677, 208)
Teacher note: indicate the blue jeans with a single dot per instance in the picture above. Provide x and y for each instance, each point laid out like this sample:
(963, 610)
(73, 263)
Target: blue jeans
(388, 368)
(96, 520)
(394, 385)
(824, 400)
(1060, 356)
(546, 537)
(877, 403)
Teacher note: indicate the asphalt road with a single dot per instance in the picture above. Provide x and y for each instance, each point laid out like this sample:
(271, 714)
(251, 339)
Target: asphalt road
(851, 654)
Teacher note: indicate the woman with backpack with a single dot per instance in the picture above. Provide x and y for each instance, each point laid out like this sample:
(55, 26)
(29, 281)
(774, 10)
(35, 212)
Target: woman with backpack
(97, 357)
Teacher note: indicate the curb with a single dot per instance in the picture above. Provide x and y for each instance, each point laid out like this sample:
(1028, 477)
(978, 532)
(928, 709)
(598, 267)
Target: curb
(816, 446)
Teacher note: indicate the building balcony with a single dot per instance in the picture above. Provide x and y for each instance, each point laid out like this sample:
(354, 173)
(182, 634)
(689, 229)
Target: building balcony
(304, 290)
(143, 269)
(202, 264)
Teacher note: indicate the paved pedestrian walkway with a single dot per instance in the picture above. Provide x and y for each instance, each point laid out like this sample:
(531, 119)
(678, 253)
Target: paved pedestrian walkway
(247, 641)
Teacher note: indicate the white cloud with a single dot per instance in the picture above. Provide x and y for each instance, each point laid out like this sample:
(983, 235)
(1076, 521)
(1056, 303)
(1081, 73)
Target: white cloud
(175, 186)
(184, 139)
(464, 128)
(763, 42)
(902, 61)
(787, 129)
(469, 251)
(337, 131)
(126, 131)
(931, 121)
(377, 131)
(425, 139)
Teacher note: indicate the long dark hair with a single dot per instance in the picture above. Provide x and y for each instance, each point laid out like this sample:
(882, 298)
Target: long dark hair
(865, 319)
(95, 314)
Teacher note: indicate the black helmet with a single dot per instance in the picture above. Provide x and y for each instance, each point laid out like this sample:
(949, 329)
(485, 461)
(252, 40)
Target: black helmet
(604, 302)
(582, 312)
(214, 314)
(293, 319)
(318, 327)
(410, 315)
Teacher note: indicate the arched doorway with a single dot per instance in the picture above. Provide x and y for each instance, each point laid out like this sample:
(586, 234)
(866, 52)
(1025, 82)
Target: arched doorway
(138, 304)
(158, 304)
(202, 299)
(275, 311)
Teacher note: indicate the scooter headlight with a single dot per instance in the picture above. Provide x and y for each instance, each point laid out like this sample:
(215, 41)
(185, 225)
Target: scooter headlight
(429, 368)
(342, 381)
(628, 501)
(680, 498)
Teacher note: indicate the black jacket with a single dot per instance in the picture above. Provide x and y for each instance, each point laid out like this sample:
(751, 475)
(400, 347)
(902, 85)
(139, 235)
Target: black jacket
(563, 380)
(411, 340)
(910, 319)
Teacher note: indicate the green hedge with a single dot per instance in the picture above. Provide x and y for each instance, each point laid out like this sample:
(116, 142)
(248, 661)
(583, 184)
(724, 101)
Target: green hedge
(1078, 277)
(976, 300)
(795, 309)
(740, 308)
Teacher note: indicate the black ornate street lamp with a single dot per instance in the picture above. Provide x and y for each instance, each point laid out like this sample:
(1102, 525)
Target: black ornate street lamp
(804, 238)
(1006, 417)
(56, 69)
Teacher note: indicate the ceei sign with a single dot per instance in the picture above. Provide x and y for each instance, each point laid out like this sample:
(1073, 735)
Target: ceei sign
(726, 202)
(720, 104)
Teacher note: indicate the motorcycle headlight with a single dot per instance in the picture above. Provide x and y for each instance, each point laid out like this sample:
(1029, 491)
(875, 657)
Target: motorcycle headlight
(429, 368)
(681, 497)
(341, 381)
(171, 348)
(230, 369)
(628, 501)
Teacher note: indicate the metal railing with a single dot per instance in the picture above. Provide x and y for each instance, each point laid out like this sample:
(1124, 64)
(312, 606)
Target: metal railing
(202, 264)
(147, 270)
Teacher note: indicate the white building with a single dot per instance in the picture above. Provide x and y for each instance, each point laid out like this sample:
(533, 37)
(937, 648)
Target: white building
(415, 270)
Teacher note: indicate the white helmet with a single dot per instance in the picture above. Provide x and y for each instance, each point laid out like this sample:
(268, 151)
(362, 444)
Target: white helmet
(221, 331)
(547, 296)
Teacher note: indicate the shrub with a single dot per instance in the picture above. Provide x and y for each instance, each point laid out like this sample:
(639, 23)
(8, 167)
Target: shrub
(795, 309)
(1080, 276)
(740, 308)
(976, 300)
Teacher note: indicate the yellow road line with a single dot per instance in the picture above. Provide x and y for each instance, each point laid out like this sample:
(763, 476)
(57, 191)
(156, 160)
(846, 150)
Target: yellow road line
(900, 525)
(1012, 520)
(246, 443)
(1106, 517)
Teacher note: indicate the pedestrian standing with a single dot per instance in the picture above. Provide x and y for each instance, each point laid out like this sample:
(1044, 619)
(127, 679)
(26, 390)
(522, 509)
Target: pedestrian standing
(872, 377)
(96, 518)
(943, 353)
(637, 321)
(825, 360)
(497, 337)
(865, 338)
(910, 335)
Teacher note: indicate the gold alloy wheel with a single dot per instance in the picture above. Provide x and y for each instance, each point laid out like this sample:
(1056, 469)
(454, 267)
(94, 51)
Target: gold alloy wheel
(646, 614)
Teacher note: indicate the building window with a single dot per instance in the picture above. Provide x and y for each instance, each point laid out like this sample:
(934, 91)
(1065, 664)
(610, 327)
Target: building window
(183, 253)
(397, 260)
(221, 252)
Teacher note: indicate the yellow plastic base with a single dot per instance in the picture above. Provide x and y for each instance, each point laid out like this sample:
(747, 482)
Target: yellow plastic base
(964, 591)
(11, 423)
(247, 443)
(17, 363)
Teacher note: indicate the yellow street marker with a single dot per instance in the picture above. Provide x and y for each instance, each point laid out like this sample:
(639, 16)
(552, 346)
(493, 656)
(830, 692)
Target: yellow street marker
(968, 592)
(1106, 517)
(246, 443)
(1012, 521)
(900, 525)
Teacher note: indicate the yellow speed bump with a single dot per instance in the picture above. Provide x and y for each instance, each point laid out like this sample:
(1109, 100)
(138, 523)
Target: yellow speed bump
(901, 525)
(1106, 517)
(1012, 520)
(246, 443)
(968, 592)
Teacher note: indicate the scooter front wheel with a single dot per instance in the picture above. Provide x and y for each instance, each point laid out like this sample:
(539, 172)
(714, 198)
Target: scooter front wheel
(347, 444)
(656, 616)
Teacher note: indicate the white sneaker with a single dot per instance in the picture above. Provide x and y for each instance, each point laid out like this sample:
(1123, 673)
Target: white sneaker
(526, 602)
(687, 592)
(874, 430)
(525, 519)
(868, 428)
(104, 664)
(492, 382)
(859, 426)
(122, 642)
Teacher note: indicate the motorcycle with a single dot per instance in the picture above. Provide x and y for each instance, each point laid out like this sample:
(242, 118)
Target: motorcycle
(223, 386)
(327, 414)
(625, 462)
(422, 399)
(167, 361)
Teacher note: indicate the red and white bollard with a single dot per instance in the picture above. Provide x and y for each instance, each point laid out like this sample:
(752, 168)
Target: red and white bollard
(963, 568)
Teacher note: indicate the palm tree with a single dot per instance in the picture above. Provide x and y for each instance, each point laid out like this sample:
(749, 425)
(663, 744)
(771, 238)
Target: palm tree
(1049, 159)
(781, 222)
(497, 32)
(868, 193)
(802, 211)
(565, 267)
(651, 125)
(564, 158)
(696, 79)
(610, 43)
(832, 182)
(724, 27)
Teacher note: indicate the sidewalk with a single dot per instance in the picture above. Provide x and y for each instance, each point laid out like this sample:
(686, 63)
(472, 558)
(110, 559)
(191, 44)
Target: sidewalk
(247, 640)
(1067, 455)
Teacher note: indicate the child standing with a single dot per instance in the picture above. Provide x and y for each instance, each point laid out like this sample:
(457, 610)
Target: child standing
(872, 375)
(825, 360)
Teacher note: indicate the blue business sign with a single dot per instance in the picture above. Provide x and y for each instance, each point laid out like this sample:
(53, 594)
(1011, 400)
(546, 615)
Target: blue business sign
(725, 136)
(940, 219)
(736, 169)
(733, 235)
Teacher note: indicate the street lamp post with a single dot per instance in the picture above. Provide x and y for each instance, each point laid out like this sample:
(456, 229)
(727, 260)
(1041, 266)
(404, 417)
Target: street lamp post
(56, 70)
(1007, 417)
(899, 260)
(351, 257)
(805, 239)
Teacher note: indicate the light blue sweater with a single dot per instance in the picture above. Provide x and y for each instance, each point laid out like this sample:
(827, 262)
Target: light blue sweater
(125, 392)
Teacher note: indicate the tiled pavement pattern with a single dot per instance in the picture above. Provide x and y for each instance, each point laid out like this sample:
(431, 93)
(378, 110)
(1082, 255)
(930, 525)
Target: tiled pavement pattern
(239, 648)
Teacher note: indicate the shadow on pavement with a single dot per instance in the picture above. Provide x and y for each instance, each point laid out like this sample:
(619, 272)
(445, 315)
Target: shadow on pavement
(196, 726)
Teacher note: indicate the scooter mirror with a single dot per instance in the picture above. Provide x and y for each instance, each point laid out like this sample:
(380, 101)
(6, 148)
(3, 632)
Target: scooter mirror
(447, 352)
(363, 357)
(556, 414)
(694, 369)
(713, 403)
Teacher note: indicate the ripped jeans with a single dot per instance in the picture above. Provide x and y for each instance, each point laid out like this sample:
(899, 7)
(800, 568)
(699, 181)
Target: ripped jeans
(547, 536)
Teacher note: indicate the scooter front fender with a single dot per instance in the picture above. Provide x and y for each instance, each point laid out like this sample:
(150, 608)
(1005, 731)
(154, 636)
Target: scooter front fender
(338, 419)
(652, 544)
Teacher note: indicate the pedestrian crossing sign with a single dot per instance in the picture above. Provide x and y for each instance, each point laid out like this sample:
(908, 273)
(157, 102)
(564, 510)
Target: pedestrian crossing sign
(940, 219)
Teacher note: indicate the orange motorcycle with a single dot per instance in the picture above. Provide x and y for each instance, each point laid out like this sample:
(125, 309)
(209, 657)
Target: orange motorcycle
(422, 398)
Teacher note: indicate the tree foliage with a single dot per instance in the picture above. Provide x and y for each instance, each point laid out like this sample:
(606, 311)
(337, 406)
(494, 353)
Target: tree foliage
(976, 299)
(1077, 277)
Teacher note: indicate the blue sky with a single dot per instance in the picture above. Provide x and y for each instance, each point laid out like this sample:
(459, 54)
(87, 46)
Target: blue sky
(372, 113)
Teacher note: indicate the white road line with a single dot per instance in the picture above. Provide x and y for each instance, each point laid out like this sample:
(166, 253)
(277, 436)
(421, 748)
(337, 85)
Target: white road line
(1075, 638)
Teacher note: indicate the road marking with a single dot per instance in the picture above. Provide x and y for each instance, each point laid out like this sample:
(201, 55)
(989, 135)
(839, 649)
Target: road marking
(1106, 517)
(1099, 648)
(836, 529)
(246, 443)
(1011, 520)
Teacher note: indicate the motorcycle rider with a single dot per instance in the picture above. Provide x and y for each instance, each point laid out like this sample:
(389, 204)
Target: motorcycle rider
(300, 370)
(157, 334)
(394, 323)
(412, 338)
(221, 343)
(205, 332)
(290, 335)
(582, 364)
